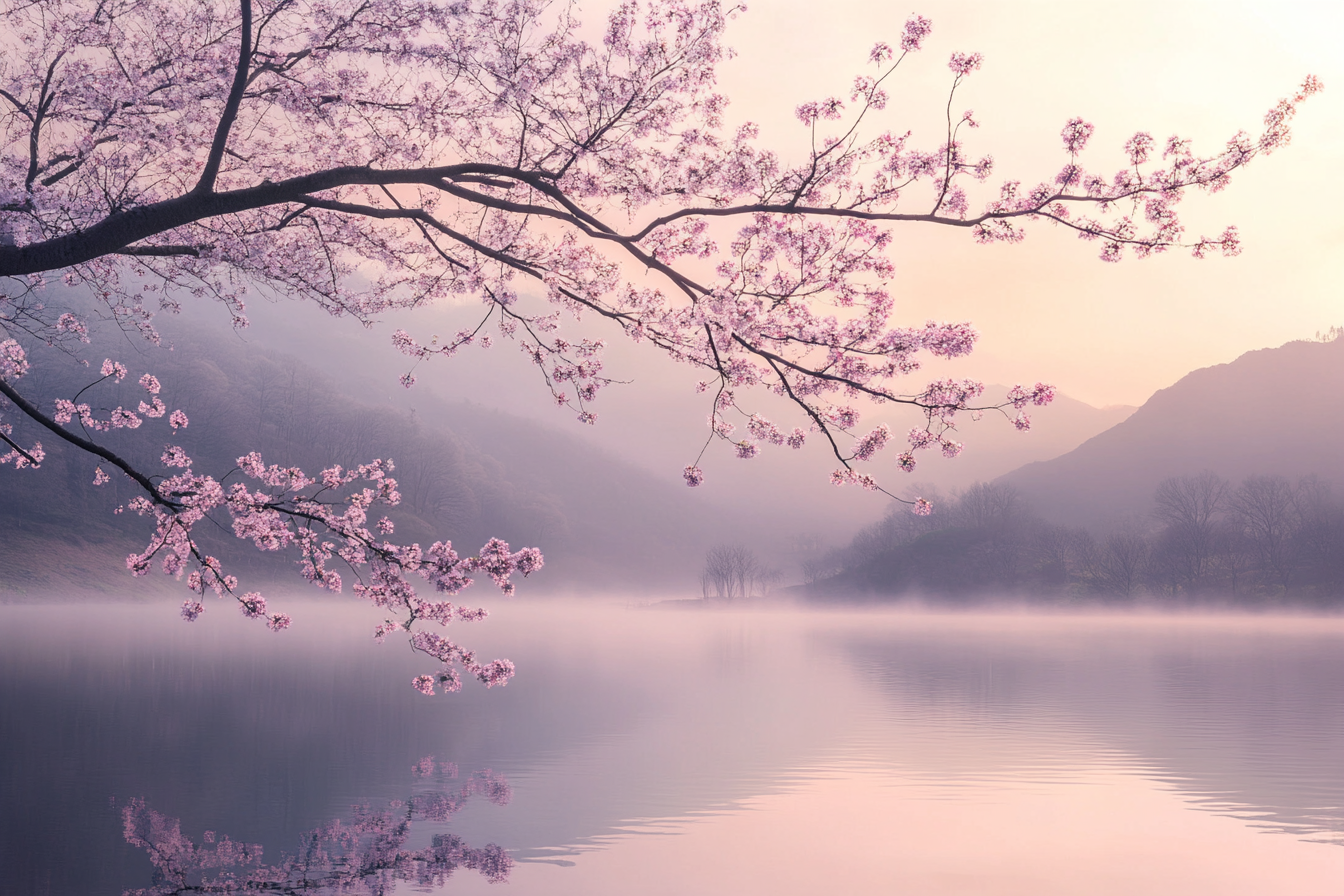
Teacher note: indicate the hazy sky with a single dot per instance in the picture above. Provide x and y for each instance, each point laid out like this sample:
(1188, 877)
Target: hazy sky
(1049, 309)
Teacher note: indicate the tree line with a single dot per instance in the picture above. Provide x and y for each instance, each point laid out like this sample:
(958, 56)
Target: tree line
(1268, 540)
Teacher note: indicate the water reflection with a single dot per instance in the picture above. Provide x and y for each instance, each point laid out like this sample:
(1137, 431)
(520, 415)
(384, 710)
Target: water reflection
(1243, 716)
(615, 715)
(888, 734)
(367, 853)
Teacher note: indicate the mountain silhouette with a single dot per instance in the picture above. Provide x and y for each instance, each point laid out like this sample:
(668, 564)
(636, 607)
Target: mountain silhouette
(1276, 411)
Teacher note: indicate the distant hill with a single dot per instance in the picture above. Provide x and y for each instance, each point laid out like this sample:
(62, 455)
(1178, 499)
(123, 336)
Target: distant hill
(994, 447)
(1273, 411)
(466, 473)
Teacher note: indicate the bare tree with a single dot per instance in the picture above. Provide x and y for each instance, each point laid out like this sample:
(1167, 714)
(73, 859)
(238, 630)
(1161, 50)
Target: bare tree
(1318, 543)
(1054, 552)
(731, 571)
(1265, 509)
(988, 505)
(766, 579)
(1190, 506)
(1123, 559)
(1234, 557)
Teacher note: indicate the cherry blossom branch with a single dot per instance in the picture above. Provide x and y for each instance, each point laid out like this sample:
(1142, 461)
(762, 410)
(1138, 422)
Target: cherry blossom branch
(18, 449)
(160, 251)
(82, 444)
(122, 228)
(116, 232)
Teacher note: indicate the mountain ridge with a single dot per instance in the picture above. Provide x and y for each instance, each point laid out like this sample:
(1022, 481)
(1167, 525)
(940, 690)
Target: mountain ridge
(1276, 410)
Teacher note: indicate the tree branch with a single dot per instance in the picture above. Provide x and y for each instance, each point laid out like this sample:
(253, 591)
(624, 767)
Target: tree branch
(160, 251)
(122, 228)
(85, 445)
(207, 182)
(39, 114)
(15, 445)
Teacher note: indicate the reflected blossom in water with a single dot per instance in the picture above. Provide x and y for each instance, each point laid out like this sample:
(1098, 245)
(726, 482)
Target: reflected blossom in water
(365, 854)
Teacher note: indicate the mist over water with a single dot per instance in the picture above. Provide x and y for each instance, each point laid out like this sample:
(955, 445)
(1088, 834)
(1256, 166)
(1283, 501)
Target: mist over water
(652, 750)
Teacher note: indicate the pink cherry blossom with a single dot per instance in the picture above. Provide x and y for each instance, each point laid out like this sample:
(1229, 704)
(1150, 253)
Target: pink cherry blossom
(13, 360)
(114, 369)
(1076, 133)
(916, 29)
(872, 443)
(965, 63)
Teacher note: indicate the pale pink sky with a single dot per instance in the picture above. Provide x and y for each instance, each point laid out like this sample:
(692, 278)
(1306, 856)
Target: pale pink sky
(1048, 308)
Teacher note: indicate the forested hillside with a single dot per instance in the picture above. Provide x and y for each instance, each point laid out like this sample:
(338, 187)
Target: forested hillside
(1220, 488)
(1276, 411)
(1267, 541)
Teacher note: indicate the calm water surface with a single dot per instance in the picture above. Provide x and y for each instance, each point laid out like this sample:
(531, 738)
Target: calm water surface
(656, 751)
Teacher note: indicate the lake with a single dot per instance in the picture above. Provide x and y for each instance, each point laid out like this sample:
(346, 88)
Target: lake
(660, 751)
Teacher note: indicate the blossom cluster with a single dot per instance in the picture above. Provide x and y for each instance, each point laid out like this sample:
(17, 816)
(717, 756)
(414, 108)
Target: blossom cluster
(14, 364)
(120, 417)
(325, 519)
